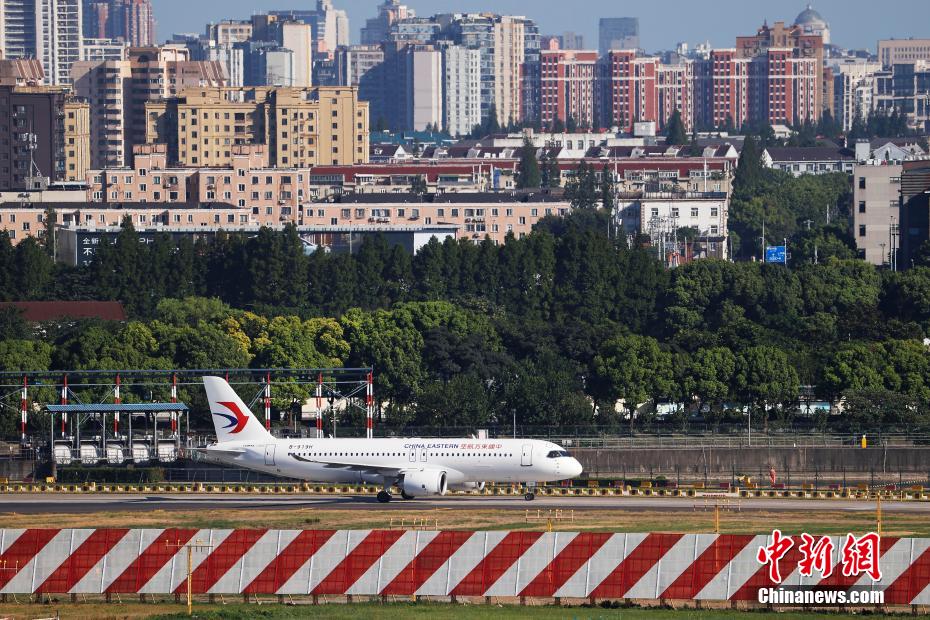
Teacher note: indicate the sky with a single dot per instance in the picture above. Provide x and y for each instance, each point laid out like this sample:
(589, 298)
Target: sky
(854, 24)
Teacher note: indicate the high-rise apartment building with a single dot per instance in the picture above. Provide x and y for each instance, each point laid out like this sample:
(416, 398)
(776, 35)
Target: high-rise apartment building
(298, 38)
(461, 68)
(131, 21)
(853, 86)
(49, 30)
(118, 91)
(378, 28)
(300, 127)
(618, 33)
(787, 53)
(905, 88)
(330, 26)
(228, 32)
(45, 133)
(567, 85)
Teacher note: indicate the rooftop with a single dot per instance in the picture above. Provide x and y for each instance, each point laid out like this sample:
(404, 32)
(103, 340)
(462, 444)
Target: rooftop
(42, 311)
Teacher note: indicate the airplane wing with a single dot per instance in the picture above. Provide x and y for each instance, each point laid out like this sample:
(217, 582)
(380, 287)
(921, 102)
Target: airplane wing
(232, 452)
(383, 470)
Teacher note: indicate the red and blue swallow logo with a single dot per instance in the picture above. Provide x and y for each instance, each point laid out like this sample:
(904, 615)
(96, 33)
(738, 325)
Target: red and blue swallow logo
(237, 422)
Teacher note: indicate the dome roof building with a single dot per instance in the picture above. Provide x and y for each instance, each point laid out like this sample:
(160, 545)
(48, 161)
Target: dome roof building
(811, 22)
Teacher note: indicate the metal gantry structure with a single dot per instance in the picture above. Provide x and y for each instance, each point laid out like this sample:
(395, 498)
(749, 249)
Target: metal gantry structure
(79, 396)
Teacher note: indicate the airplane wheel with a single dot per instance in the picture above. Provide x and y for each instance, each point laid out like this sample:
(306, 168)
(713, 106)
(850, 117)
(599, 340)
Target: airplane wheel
(405, 496)
(384, 497)
(529, 497)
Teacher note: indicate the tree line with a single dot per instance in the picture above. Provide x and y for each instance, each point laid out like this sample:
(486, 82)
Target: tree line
(564, 327)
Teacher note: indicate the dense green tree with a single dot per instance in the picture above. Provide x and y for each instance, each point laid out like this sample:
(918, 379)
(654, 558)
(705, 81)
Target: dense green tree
(528, 174)
(633, 369)
(675, 133)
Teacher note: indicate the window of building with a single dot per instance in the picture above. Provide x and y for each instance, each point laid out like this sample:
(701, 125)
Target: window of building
(861, 182)
(694, 211)
(862, 230)
(861, 206)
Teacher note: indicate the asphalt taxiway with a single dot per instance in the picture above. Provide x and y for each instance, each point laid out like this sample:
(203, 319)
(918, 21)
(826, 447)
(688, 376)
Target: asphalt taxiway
(85, 504)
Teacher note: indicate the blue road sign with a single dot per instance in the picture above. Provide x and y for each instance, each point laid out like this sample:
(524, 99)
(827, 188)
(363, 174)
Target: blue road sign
(776, 254)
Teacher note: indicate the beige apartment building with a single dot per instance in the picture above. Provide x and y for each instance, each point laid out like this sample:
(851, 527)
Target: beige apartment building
(77, 139)
(300, 127)
(897, 51)
(118, 91)
(876, 210)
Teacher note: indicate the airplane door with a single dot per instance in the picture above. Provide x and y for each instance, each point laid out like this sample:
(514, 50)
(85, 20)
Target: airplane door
(269, 454)
(526, 458)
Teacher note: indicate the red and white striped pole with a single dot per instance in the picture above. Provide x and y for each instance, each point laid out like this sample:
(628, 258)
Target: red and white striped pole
(24, 396)
(117, 400)
(64, 401)
(268, 401)
(369, 405)
(174, 399)
(319, 406)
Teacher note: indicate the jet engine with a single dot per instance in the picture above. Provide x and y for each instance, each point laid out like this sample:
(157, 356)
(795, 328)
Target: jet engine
(467, 486)
(426, 482)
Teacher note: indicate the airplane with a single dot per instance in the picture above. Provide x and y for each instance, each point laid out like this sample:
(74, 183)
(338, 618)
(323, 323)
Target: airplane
(417, 467)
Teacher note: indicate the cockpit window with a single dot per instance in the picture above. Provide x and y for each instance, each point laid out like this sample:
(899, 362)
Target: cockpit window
(557, 454)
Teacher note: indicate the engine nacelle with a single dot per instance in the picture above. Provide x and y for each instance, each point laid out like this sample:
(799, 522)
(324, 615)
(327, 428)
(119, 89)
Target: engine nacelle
(467, 486)
(426, 482)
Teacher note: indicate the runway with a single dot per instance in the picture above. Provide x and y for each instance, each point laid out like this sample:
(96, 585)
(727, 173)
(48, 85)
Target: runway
(87, 504)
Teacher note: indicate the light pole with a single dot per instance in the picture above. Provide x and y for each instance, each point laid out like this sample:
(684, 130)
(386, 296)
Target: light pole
(200, 546)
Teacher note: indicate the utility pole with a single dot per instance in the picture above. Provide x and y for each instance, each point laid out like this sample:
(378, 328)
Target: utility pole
(763, 241)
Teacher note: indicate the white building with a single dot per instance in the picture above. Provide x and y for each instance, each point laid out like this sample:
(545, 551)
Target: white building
(668, 218)
(49, 30)
(853, 84)
(424, 91)
(100, 50)
(462, 89)
(298, 38)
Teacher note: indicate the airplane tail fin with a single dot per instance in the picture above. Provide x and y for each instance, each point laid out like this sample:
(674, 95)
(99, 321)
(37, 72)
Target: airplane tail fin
(231, 417)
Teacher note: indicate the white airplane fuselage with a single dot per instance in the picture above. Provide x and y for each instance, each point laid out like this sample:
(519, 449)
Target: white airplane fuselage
(463, 461)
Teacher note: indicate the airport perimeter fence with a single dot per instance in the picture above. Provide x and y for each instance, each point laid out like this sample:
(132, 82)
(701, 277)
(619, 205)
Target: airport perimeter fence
(449, 565)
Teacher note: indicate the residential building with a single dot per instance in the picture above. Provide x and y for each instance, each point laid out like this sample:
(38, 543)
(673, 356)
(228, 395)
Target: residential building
(461, 100)
(668, 218)
(571, 41)
(118, 91)
(32, 121)
(228, 32)
(893, 52)
(876, 210)
(330, 26)
(786, 55)
(300, 127)
(810, 160)
(377, 29)
(21, 72)
(567, 85)
(617, 33)
(77, 139)
(98, 50)
(132, 21)
(722, 90)
(48, 30)
(298, 38)
(913, 232)
(636, 89)
(905, 88)
(355, 61)
(853, 87)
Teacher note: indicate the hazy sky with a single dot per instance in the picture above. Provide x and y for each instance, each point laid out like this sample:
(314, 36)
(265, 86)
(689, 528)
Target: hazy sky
(663, 23)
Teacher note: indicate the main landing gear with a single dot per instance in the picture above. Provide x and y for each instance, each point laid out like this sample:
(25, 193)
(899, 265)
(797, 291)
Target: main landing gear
(384, 497)
(404, 495)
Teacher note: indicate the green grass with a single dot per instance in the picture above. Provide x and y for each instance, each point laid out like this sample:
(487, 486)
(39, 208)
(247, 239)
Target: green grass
(433, 611)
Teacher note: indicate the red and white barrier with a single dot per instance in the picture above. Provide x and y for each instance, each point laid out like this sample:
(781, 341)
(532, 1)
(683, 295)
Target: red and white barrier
(393, 562)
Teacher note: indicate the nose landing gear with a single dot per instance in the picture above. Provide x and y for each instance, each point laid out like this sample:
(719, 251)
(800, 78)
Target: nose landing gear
(529, 496)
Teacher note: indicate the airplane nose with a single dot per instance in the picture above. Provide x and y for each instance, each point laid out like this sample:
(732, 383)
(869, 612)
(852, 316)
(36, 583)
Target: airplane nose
(574, 468)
